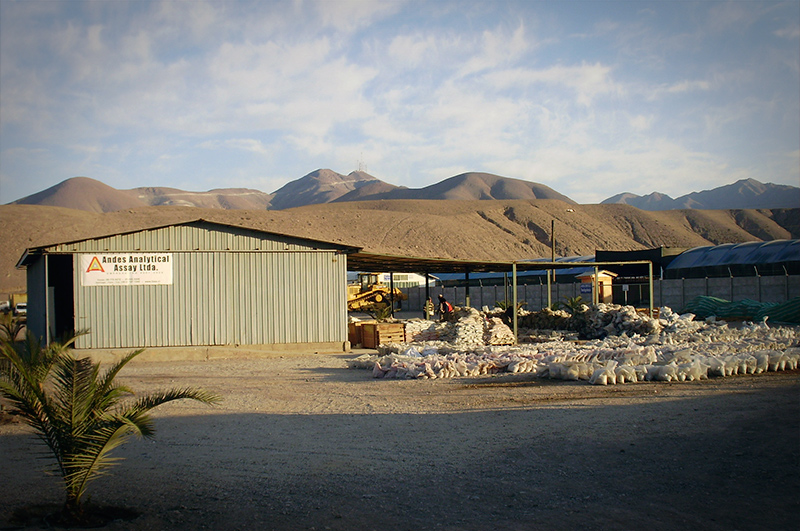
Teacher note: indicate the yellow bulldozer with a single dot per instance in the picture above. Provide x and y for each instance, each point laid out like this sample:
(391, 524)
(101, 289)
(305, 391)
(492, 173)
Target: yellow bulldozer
(369, 291)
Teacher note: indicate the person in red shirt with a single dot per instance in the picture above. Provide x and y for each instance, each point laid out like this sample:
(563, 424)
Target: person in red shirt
(445, 309)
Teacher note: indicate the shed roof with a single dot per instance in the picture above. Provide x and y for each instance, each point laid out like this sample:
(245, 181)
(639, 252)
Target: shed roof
(775, 251)
(58, 247)
(361, 261)
(570, 271)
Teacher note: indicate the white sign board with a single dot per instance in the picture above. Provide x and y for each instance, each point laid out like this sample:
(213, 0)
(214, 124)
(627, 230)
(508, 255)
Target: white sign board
(126, 269)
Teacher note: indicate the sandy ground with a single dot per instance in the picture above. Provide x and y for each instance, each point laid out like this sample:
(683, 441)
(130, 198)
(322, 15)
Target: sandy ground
(302, 442)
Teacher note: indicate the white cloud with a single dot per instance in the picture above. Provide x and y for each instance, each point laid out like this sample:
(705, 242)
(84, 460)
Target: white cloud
(313, 145)
(424, 91)
(383, 128)
(348, 15)
(495, 49)
(244, 144)
(639, 168)
(680, 87)
(788, 32)
(687, 86)
(192, 21)
(725, 15)
(586, 81)
(641, 122)
(411, 51)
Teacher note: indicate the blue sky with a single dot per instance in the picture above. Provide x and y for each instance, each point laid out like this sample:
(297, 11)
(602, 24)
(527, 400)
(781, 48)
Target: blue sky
(590, 98)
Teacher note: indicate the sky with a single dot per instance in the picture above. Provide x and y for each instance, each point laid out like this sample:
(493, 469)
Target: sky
(591, 98)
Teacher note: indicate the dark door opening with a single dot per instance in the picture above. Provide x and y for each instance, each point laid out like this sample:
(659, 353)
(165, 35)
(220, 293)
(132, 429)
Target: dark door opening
(59, 286)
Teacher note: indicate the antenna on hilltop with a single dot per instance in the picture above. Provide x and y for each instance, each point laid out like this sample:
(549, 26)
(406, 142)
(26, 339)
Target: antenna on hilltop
(362, 166)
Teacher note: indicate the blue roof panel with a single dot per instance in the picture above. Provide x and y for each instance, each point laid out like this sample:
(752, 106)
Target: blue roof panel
(774, 251)
(573, 271)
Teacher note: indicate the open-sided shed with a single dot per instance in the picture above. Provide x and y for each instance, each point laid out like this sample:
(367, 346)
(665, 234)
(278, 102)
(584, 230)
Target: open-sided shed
(197, 283)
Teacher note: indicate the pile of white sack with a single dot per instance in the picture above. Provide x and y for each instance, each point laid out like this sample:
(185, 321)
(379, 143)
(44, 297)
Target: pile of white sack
(470, 329)
(680, 349)
(603, 320)
(591, 322)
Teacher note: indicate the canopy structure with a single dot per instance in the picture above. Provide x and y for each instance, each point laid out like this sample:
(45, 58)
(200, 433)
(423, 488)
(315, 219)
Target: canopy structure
(362, 261)
(737, 259)
(484, 278)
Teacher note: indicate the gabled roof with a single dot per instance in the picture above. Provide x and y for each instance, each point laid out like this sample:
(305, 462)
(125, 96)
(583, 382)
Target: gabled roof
(34, 251)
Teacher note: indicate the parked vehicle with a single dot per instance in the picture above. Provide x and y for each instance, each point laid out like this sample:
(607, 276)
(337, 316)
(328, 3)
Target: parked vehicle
(21, 308)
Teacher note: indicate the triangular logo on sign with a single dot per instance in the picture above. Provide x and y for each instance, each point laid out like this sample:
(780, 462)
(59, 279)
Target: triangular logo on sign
(95, 266)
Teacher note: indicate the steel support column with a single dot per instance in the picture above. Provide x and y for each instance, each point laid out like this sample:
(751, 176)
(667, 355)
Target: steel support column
(514, 301)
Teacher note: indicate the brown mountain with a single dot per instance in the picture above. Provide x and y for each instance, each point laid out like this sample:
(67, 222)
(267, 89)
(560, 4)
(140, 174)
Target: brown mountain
(469, 186)
(319, 186)
(747, 193)
(225, 198)
(325, 186)
(487, 229)
(88, 194)
(84, 193)
(369, 191)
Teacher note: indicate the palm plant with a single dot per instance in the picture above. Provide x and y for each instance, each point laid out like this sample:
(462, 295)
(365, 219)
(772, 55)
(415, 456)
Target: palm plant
(78, 412)
(507, 305)
(572, 304)
(379, 312)
(10, 326)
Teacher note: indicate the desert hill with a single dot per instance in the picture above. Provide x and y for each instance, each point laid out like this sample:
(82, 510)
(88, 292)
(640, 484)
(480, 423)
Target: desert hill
(466, 187)
(370, 191)
(319, 186)
(225, 198)
(487, 229)
(746, 193)
(83, 193)
(325, 186)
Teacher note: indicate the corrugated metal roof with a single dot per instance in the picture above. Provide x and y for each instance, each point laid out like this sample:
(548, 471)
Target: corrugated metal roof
(774, 251)
(195, 235)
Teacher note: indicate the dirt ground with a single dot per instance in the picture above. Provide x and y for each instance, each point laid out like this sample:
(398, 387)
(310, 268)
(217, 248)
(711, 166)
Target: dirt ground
(303, 442)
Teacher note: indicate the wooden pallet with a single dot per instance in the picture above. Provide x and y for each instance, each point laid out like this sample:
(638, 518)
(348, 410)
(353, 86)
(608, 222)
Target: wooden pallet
(374, 334)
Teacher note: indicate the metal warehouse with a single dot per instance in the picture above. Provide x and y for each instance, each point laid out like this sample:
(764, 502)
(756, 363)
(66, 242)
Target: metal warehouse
(198, 283)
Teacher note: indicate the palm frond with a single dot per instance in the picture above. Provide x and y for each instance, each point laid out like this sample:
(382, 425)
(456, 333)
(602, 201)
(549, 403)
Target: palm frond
(77, 411)
(111, 373)
(92, 457)
(155, 399)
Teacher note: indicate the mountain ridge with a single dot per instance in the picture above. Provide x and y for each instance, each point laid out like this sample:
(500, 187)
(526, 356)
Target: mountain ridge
(745, 193)
(471, 230)
(326, 186)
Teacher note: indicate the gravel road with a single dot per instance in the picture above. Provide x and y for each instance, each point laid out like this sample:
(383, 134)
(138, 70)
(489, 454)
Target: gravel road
(303, 442)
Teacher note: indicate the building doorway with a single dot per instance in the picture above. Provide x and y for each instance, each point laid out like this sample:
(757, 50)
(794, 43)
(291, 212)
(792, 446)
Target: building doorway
(60, 295)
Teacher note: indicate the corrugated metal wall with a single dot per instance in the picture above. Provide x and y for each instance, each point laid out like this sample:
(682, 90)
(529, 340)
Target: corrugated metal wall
(230, 286)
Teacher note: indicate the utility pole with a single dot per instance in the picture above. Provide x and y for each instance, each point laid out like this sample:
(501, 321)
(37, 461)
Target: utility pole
(551, 272)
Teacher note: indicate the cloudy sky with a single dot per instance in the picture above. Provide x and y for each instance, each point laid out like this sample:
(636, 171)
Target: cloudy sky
(590, 98)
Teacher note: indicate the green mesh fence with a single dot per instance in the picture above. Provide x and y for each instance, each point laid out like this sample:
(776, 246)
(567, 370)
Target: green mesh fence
(745, 309)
